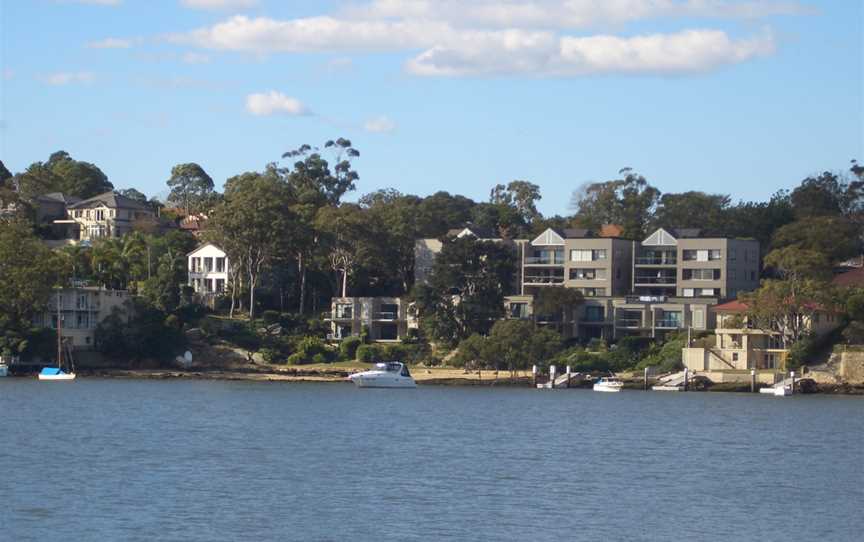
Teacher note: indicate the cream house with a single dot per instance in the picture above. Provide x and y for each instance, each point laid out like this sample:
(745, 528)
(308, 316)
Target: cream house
(81, 309)
(738, 346)
(105, 215)
(208, 270)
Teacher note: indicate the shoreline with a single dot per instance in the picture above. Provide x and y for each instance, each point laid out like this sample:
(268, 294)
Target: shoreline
(423, 378)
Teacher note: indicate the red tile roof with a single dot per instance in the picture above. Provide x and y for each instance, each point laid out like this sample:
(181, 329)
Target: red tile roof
(850, 278)
(731, 306)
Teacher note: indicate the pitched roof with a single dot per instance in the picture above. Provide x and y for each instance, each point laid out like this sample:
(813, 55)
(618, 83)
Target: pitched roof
(731, 306)
(477, 231)
(852, 278)
(58, 197)
(112, 201)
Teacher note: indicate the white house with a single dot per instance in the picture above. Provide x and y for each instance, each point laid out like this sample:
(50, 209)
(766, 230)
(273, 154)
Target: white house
(208, 269)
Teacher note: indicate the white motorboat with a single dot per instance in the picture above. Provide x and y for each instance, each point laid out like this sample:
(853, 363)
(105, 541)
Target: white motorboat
(384, 375)
(777, 391)
(608, 384)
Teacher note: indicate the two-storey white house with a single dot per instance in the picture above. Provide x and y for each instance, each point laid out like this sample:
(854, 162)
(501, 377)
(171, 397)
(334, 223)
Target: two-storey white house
(208, 270)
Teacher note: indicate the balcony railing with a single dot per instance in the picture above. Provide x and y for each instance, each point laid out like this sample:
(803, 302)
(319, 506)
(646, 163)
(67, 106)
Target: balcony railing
(645, 299)
(535, 260)
(544, 280)
(340, 315)
(629, 322)
(385, 315)
(652, 260)
(669, 323)
(655, 280)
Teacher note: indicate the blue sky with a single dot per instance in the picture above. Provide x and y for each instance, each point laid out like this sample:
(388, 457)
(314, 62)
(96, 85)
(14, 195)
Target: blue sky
(731, 96)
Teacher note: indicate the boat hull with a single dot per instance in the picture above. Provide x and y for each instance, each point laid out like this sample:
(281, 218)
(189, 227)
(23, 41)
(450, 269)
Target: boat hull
(782, 391)
(382, 381)
(606, 388)
(70, 376)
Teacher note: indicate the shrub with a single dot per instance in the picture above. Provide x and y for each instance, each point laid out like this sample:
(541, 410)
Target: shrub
(270, 355)
(309, 347)
(368, 353)
(296, 359)
(319, 358)
(270, 317)
(348, 347)
(597, 345)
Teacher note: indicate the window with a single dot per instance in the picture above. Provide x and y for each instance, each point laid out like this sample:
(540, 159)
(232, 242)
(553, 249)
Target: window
(518, 310)
(752, 275)
(220, 265)
(208, 264)
(208, 285)
(195, 266)
(731, 254)
(688, 292)
(220, 285)
(701, 274)
(593, 292)
(734, 356)
(775, 342)
(599, 254)
(344, 310)
(710, 292)
(594, 314)
(100, 214)
(699, 319)
(714, 254)
(587, 274)
(580, 256)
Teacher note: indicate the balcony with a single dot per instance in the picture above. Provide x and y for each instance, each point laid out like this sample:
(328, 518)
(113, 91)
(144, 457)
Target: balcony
(339, 315)
(630, 323)
(544, 280)
(385, 315)
(662, 281)
(655, 260)
(543, 260)
(669, 323)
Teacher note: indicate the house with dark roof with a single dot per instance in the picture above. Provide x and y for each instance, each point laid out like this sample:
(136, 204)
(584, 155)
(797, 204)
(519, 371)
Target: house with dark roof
(105, 215)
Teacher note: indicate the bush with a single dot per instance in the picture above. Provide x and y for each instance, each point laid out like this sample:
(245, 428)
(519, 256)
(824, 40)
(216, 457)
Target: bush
(368, 353)
(270, 317)
(270, 355)
(348, 347)
(296, 359)
(319, 358)
(597, 345)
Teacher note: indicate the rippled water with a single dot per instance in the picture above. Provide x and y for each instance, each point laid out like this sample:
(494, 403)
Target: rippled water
(181, 460)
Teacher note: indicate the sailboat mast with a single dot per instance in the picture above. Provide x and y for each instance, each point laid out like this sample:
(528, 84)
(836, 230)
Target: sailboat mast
(59, 334)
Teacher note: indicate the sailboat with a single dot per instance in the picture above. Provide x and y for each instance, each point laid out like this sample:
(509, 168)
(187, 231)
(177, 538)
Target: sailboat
(57, 373)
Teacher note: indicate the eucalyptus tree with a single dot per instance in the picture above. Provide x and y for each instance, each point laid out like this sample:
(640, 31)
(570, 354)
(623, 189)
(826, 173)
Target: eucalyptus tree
(191, 187)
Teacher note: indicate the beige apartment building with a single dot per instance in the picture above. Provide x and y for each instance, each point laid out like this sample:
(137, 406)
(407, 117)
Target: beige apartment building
(105, 215)
(384, 318)
(742, 348)
(81, 310)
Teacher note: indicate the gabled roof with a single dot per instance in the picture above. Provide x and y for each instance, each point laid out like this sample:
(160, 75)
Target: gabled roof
(205, 245)
(110, 200)
(550, 237)
(660, 238)
(57, 197)
(853, 278)
(477, 231)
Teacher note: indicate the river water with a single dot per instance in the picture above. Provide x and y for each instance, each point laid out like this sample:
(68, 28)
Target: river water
(203, 460)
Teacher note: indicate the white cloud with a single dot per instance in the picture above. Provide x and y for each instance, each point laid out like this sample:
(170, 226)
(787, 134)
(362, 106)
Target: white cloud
(67, 78)
(380, 125)
(195, 58)
(690, 51)
(219, 4)
(110, 43)
(568, 13)
(274, 103)
(507, 37)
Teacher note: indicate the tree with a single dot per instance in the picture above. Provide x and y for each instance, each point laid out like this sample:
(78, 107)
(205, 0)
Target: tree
(5, 174)
(693, 210)
(556, 302)
(80, 179)
(794, 263)
(785, 307)
(465, 292)
(134, 195)
(835, 237)
(759, 220)
(820, 196)
(629, 202)
(253, 224)
(521, 195)
(518, 344)
(191, 187)
(437, 213)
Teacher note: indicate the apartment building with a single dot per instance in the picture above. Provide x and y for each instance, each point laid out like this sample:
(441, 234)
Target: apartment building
(105, 215)
(575, 258)
(684, 264)
(384, 318)
(81, 310)
(208, 270)
(738, 346)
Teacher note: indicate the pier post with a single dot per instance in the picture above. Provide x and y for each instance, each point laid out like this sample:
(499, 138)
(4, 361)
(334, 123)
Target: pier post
(752, 380)
(568, 376)
(534, 374)
(792, 374)
(686, 379)
(645, 379)
(552, 372)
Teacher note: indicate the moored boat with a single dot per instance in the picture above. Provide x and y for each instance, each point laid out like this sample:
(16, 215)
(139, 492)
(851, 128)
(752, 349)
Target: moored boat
(384, 375)
(55, 373)
(608, 384)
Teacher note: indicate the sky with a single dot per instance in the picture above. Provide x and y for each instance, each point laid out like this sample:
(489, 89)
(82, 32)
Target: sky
(740, 97)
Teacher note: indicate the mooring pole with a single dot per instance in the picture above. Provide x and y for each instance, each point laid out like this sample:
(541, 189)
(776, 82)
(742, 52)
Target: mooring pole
(568, 376)
(552, 377)
(793, 381)
(752, 380)
(645, 379)
(686, 379)
(534, 374)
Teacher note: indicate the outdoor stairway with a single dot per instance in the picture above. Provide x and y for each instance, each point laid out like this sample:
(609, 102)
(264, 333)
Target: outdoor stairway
(672, 382)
